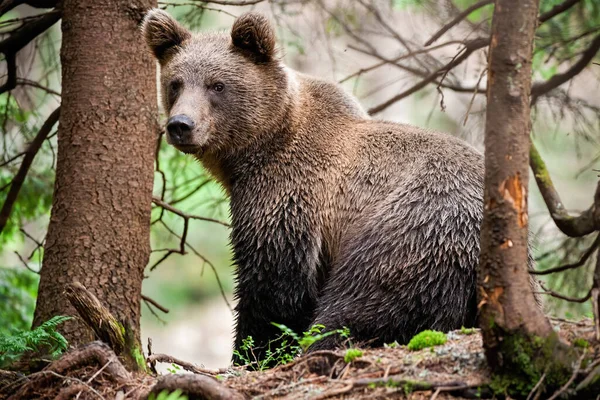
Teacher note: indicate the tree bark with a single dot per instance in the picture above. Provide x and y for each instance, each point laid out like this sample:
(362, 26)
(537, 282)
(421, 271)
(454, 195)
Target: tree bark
(516, 334)
(99, 227)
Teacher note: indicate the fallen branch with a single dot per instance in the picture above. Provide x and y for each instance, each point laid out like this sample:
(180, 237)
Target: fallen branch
(164, 358)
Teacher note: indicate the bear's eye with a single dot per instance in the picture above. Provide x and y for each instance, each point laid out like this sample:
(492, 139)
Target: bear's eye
(174, 87)
(218, 87)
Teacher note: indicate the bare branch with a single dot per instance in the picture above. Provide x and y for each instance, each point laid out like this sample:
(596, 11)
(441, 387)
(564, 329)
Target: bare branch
(184, 215)
(19, 178)
(581, 225)
(578, 264)
(392, 61)
(540, 88)
(563, 297)
(18, 39)
(470, 48)
(155, 304)
(166, 4)
(457, 19)
(37, 85)
(24, 34)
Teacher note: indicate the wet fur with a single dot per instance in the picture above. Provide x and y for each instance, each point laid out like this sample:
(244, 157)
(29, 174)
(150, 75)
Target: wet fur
(336, 218)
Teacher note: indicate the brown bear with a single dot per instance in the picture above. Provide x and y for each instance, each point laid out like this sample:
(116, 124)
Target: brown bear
(337, 219)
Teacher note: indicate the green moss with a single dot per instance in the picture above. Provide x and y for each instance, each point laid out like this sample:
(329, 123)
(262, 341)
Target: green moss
(467, 331)
(352, 354)
(427, 339)
(541, 172)
(525, 360)
(581, 343)
(138, 358)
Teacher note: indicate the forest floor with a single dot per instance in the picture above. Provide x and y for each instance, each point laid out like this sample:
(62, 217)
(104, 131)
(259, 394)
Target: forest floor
(456, 369)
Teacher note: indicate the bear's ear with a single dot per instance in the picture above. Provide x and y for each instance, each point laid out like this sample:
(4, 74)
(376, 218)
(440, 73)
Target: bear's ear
(252, 33)
(163, 34)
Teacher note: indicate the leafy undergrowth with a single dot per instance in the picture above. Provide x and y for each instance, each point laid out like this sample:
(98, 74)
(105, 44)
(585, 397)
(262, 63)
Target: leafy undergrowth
(455, 369)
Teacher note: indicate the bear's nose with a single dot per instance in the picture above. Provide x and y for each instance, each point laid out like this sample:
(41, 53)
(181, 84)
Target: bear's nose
(180, 128)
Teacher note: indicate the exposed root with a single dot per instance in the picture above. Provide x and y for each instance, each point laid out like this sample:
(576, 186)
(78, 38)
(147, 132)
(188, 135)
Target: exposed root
(196, 387)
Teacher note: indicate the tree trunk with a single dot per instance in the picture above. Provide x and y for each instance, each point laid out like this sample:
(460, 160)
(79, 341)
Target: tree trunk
(100, 222)
(516, 333)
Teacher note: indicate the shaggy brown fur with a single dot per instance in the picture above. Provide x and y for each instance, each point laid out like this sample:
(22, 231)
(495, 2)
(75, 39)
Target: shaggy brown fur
(337, 219)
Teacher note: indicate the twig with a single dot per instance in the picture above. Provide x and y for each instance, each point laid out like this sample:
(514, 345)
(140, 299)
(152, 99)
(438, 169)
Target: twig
(164, 358)
(417, 72)
(571, 379)
(563, 297)
(278, 390)
(70, 378)
(537, 385)
(25, 264)
(155, 304)
(166, 4)
(394, 60)
(37, 85)
(184, 243)
(473, 97)
(19, 178)
(470, 48)
(18, 39)
(184, 215)
(457, 19)
(335, 392)
(540, 88)
(578, 264)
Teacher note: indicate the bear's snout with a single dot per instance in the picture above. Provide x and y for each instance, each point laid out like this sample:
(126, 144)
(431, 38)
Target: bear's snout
(180, 128)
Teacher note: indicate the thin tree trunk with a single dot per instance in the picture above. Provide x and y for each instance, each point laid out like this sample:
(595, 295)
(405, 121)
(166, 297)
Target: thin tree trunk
(99, 228)
(517, 336)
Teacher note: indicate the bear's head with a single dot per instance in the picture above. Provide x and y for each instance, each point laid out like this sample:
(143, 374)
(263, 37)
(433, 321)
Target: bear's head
(222, 92)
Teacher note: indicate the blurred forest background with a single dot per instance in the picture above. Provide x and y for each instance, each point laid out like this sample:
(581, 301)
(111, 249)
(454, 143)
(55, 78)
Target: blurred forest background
(376, 50)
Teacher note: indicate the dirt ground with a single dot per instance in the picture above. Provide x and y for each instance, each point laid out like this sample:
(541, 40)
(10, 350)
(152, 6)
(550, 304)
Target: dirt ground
(456, 370)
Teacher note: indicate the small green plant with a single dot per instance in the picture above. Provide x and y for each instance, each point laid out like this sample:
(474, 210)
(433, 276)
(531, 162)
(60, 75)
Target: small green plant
(426, 339)
(467, 331)
(165, 395)
(581, 343)
(286, 347)
(174, 368)
(392, 345)
(43, 338)
(352, 354)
